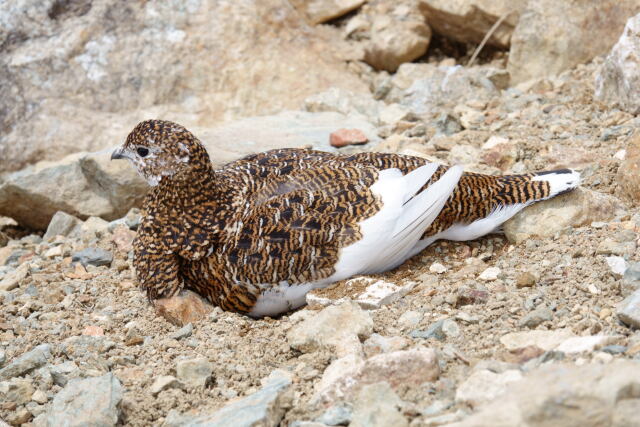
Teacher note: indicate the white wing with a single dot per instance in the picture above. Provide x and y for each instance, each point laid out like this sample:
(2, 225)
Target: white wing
(389, 236)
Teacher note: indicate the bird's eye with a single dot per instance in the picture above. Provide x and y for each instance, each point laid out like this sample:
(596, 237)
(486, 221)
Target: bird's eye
(142, 151)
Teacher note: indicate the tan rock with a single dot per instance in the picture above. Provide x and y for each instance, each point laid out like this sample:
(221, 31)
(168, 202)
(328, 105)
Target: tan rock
(186, 307)
(319, 11)
(563, 395)
(81, 185)
(553, 36)
(575, 209)
(484, 386)
(629, 172)
(199, 63)
(468, 21)
(394, 41)
(123, 238)
(13, 279)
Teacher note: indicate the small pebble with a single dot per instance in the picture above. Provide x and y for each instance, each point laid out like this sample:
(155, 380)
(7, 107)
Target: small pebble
(39, 396)
(183, 332)
(526, 280)
(164, 382)
(450, 328)
(93, 331)
(438, 268)
(614, 349)
(489, 274)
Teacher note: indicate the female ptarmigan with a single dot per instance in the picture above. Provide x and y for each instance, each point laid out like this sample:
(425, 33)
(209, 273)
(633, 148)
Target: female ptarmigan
(258, 234)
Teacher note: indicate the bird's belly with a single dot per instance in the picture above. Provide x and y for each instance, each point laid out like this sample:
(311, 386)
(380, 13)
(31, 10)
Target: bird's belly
(283, 297)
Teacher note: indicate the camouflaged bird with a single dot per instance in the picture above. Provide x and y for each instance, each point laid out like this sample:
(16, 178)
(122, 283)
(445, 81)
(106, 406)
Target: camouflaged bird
(256, 235)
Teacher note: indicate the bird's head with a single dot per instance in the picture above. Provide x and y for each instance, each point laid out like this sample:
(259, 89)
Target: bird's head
(161, 149)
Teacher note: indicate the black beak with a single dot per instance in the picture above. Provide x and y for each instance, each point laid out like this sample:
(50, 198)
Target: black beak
(117, 154)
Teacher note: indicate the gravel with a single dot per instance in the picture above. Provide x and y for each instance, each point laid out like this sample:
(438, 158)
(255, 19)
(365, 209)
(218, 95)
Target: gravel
(491, 302)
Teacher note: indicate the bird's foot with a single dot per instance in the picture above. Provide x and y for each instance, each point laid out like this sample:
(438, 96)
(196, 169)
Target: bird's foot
(185, 307)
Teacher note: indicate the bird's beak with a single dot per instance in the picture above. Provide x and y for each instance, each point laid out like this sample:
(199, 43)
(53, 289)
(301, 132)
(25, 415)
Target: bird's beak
(118, 153)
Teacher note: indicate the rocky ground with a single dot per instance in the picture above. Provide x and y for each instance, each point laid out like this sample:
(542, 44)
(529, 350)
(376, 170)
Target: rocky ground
(537, 326)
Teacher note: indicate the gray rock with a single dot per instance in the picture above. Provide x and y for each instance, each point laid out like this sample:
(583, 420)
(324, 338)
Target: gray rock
(337, 415)
(83, 345)
(262, 408)
(27, 362)
(484, 386)
(618, 78)
(433, 331)
(536, 317)
(631, 279)
(430, 89)
(378, 406)
(62, 224)
(90, 401)
(194, 372)
(14, 278)
(62, 373)
(93, 256)
(337, 327)
(183, 332)
(344, 102)
(410, 319)
(554, 36)
(450, 328)
(628, 310)
(15, 255)
(131, 220)
(3, 358)
(614, 349)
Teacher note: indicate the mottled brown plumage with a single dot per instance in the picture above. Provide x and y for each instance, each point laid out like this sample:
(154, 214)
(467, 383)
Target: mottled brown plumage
(282, 216)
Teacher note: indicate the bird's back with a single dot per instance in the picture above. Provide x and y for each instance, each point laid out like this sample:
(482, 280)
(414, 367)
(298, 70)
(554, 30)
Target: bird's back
(299, 214)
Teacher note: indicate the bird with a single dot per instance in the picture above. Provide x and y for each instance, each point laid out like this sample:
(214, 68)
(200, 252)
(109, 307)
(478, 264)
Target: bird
(257, 234)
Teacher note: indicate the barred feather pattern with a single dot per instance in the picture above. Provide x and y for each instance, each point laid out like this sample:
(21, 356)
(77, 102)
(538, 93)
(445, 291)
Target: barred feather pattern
(282, 215)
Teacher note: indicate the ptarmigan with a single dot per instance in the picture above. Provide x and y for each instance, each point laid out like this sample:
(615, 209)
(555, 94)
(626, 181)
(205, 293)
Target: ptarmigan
(258, 234)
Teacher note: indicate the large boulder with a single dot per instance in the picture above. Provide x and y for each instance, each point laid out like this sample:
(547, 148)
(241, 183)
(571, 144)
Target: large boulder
(73, 74)
(468, 21)
(87, 185)
(618, 81)
(553, 36)
(591, 395)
